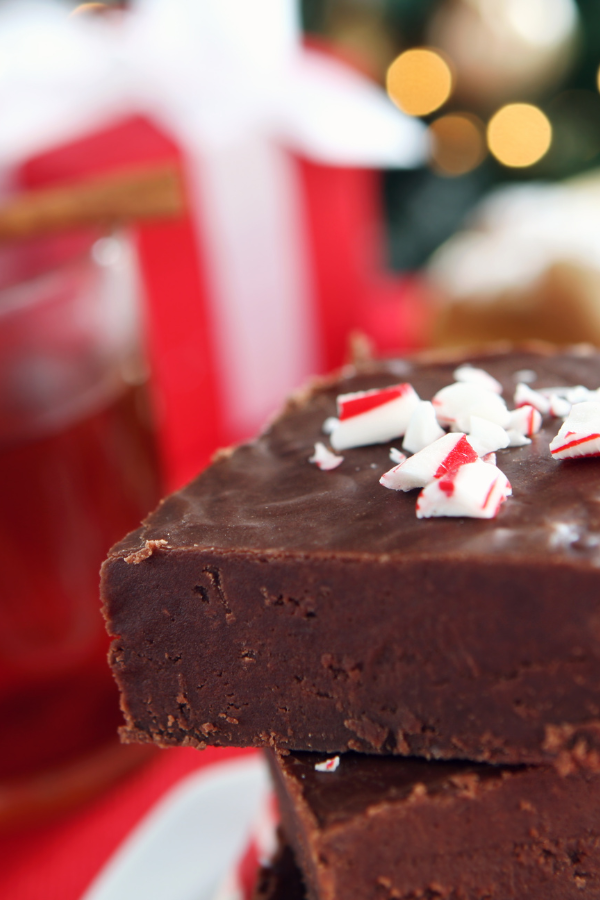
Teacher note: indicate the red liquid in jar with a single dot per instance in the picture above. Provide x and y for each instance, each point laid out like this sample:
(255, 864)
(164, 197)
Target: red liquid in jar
(65, 498)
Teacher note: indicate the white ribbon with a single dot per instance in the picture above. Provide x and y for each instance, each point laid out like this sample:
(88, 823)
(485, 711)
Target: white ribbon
(231, 81)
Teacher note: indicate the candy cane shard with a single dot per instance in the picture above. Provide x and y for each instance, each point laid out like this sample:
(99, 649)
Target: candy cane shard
(486, 437)
(397, 456)
(517, 439)
(438, 459)
(525, 420)
(560, 407)
(524, 396)
(455, 404)
(579, 435)
(423, 428)
(471, 375)
(373, 417)
(324, 458)
(330, 424)
(476, 490)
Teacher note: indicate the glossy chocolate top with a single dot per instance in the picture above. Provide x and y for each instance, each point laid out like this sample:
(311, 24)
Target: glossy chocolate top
(266, 497)
(362, 782)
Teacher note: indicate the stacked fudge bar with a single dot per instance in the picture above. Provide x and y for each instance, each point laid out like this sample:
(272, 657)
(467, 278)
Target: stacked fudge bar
(423, 662)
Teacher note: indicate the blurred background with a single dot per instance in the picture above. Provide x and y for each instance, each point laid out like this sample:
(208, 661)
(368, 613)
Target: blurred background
(202, 204)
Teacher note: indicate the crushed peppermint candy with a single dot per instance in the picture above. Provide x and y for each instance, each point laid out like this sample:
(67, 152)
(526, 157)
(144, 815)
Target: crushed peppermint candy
(486, 437)
(330, 424)
(328, 765)
(475, 489)
(517, 439)
(579, 435)
(454, 439)
(423, 428)
(560, 407)
(525, 396)
(470, 375)
(446, 454)
(397, 456)
(456, 403)
(324, 458)
(373, 417)
(525, 420)
(526, 375)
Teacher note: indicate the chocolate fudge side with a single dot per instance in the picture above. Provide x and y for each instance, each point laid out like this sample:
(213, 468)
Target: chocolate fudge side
(271, 603)
(387, 827)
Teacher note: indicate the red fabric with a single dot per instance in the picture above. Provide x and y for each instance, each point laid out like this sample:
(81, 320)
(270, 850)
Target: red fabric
(59, 860)
(179, 338)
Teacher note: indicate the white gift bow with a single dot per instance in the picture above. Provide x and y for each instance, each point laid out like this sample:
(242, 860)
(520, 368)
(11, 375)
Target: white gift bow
(232, 82)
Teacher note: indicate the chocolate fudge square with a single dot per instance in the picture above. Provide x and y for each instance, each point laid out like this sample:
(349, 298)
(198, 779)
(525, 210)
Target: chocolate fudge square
(270, 603)
(388, 828)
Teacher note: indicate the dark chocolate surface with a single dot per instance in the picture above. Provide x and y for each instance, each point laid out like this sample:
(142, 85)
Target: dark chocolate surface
(404, 829)
(266, 496)
(361, 781)
(271, 603)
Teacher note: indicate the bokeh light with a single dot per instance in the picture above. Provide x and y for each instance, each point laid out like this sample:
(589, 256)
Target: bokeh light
(458, 144)
(519, 135)
(419, 81)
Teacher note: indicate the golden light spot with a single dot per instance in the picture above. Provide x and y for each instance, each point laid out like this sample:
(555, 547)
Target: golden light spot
(419, 81)
(598, 78)
(519, 134)
(458, 143)
(90, 9)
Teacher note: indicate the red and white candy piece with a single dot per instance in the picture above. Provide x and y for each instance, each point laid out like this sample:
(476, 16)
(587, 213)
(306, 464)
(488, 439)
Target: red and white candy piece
(373, 417)
(434, 461)
(476, 490)
(470, 375)
(486, 437)
(525, 396)
(423, 428)
(324, 458)
(328, 765)
(579, 435)
(525, 420)
(397, 456)
(456, 403)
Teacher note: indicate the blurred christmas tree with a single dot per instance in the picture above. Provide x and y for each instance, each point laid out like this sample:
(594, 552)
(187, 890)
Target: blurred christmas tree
(543, 53)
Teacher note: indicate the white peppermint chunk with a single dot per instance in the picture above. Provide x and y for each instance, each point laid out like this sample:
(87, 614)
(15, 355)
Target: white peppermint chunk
(579, 435)
(373, 417)
(560, 407)
(432, 462)
(524, 395)
(489, 458)
(324, 458)
(328, 765)
(525, 420)
(526, 375)
(486, 437)
(330, 424)
(573, 393)
(476, 490)
(397, 456)
(423, 428)
(470, 375)
(517, 439)
(455, 404)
